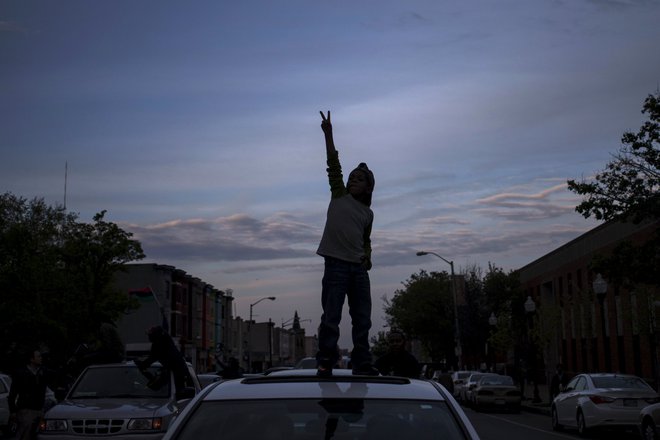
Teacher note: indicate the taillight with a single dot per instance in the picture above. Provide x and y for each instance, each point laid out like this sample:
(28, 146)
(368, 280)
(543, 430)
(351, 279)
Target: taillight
(601, 399)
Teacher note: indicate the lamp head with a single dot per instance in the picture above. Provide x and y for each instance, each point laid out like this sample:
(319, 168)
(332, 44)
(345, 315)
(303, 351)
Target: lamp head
(272, 298)
(600, 286)
(420, 253)
(530, 305)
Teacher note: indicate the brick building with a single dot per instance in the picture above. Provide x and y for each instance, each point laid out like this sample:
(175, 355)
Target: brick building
(617, 332)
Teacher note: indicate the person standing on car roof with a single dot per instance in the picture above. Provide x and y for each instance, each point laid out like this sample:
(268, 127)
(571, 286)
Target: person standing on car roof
(346, 248)
(27, 396)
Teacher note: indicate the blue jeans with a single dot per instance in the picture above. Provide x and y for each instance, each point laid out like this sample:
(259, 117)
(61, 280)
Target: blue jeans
(342, 279)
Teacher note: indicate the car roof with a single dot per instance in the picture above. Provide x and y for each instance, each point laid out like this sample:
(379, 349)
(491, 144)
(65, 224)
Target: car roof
(304, 384)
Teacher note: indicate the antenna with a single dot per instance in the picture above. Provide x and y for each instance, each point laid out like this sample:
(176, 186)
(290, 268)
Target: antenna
(66, 172)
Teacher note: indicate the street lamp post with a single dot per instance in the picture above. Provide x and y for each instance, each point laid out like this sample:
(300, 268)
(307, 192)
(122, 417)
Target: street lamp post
(457, 332)
(600, 289)
(530, 309)
(271, 298)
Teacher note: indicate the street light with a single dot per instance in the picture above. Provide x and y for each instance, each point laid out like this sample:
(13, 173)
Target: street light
(600, 289)
(457, 332)
(272, 298)
(530, 309)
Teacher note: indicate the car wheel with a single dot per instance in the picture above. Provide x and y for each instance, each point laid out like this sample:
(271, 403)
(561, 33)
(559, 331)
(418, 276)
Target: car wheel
(556, 426)
(582, 425)
(649, 431)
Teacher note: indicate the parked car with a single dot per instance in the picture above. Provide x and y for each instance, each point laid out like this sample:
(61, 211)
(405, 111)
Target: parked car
(496, 391)
(117, 401)
(5, 384)
(649, 421)
(601, 400)
(459, 378)
(298, 404)
(470, 384)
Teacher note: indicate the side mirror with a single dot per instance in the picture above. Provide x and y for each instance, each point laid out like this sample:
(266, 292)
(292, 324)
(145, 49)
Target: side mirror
(187, 393)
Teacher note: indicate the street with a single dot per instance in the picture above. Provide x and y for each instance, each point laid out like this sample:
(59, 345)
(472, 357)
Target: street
(523, 426)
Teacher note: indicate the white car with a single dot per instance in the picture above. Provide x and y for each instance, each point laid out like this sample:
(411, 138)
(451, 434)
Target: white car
(5, 384)
(469, 386)
(118, 402)
(601, 400)
(649, 422)
(297, 404)
(459, 378)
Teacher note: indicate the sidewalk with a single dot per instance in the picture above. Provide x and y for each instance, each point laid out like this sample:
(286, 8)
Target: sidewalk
(528, 404)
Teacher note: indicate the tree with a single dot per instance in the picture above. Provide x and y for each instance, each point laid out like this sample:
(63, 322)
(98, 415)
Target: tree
(629, 187)
(629, 190)
(56, 277)
(424, 311)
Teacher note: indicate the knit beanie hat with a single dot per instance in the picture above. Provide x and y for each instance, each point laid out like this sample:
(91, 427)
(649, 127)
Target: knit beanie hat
(371, 182)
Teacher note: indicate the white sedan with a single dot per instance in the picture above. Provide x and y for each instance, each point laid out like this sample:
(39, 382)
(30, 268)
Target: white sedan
(601, 400)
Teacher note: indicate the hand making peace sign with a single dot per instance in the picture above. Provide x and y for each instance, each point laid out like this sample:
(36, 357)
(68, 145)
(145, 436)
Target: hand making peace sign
(326, 125)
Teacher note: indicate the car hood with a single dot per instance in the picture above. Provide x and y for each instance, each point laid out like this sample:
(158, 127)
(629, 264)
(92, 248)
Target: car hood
(110, 408)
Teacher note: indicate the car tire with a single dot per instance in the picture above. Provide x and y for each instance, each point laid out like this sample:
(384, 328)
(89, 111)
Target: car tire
(556, 426)
(583, 430)
(649, 430)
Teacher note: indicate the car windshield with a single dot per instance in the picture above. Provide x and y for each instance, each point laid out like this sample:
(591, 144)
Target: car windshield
(496, 380)
(326, 418)
(620, 382)
(475, 377)
(128, 381)
(464, 375)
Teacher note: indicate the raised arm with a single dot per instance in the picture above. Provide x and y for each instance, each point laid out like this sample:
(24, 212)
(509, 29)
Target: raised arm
(326, 126)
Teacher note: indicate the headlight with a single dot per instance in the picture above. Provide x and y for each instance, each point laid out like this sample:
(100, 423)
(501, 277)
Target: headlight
(145, 424)
(52, 425)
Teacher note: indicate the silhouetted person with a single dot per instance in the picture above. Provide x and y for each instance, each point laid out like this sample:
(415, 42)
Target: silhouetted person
(230, 370)
(346, 248)
(27, 396)
(558, 382)
(398, 361)
(164, 351)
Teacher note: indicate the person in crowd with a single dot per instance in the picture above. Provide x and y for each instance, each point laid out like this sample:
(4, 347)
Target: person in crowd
(164, 351)
(27, 396)
(397, 361)
(558, 382)
(230, 370)
(346, 249)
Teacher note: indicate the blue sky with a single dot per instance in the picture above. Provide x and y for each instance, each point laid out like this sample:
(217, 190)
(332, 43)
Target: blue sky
(196, 126)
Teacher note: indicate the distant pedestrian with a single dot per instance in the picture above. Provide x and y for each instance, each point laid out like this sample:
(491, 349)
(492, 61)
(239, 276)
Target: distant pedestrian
(346, 248)
(398, 361)
(558, 382)
(230, 370)
(27, 396)
(164, 351)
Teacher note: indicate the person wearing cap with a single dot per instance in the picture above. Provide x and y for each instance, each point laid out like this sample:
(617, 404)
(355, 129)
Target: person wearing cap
(346, 248)
(398, 361)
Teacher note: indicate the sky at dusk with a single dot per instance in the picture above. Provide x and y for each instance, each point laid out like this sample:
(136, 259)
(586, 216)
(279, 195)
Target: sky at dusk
(196, 126)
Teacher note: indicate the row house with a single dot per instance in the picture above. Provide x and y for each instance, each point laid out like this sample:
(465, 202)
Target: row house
(616, 331)
(199, 318)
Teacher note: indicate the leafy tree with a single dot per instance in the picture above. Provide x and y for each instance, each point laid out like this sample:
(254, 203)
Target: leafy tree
(424, 311)
(629, 190)
(56, 276)
(629, 186)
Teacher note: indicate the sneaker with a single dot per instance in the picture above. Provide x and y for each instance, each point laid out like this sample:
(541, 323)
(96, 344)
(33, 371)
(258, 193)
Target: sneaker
(366, 369)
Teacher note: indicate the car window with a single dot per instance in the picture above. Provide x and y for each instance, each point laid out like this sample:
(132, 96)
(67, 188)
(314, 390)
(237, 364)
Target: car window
(571, 385)
(581, 384)
(620, 382)
(496, 380)
(126, 381)
(3, 387)
(325, 418)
